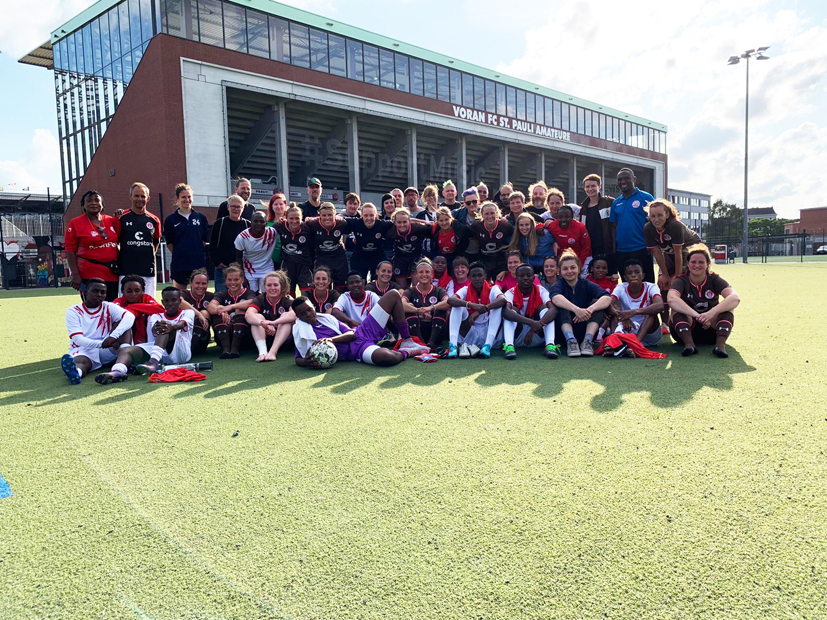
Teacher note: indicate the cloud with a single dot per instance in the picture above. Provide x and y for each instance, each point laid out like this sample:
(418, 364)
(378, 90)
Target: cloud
(39, 167)
(667, 62)
(28, 23)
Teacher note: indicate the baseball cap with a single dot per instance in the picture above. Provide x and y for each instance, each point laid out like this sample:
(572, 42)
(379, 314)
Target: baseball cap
(313, 181)
(411, 189)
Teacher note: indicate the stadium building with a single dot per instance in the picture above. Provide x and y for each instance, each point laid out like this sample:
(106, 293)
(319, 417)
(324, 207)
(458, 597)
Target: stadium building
(203, 91)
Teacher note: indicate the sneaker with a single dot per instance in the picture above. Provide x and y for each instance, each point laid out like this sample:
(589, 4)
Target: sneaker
(664, 330)
(474, 350)
(150, 368)
(464, 353)
(485, 351)
(586, 349)
(552, 351)
(689, 351)
(510, 352)
(452, 350)
(718, 353)
(572, 349)
(67, 365)
(224, 355)
(105, 378)
(621, 350)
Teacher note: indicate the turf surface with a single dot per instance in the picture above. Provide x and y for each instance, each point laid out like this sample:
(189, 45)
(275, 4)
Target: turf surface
(682, 488)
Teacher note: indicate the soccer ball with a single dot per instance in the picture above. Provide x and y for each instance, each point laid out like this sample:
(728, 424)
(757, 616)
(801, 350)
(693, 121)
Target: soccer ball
(324, 352)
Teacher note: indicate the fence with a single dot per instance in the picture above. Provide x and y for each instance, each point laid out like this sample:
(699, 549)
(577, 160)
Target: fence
(799, 247)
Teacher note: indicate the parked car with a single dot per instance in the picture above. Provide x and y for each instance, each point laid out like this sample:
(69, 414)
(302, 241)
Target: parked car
(822, 250)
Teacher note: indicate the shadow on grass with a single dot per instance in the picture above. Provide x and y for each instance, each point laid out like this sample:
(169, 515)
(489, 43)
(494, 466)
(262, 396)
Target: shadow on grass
(670, 382)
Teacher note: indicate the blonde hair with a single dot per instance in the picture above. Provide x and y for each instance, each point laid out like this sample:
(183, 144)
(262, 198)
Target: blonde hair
(327, 206)
(235, 198)
(136, 184)
(569, 254)
(400, 211)
(284, 281)
(671, 211)
(430, 190)
(516, 240)
(233, 268)
(487, 204)
(553, 191)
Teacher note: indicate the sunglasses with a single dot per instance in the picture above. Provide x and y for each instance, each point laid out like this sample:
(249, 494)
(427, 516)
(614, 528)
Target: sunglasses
(471, 202)
(102, 232)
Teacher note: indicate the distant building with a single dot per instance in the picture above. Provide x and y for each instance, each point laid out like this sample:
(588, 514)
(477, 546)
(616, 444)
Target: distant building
(766, 213)
(812, 221)
(692, 207)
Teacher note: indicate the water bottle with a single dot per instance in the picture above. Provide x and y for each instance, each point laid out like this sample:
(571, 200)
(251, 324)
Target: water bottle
(194, 366)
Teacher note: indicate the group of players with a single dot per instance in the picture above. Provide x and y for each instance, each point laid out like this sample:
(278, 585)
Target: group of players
(414, 273)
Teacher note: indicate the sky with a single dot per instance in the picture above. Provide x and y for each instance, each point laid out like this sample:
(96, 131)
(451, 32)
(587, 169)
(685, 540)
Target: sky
(664, 61)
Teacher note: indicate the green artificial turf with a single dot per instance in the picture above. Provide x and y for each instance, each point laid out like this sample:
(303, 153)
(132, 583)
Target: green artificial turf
(681, 488)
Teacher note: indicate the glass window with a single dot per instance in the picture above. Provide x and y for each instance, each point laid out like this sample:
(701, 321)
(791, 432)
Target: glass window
(456, 87)
(588, 127)
(318, 50)
(137, 54)
(540, 113)
(443, 83)
(96, 47)
(117, 71)
(479, 93)
(336, 45)
(467, 90)
(387, 72)
(417, 77)
(134, 22)
(172, 17)
(106, 49)
(126, 60)
(209, 22)
(371, 55)
(402, 73)
(58, 60)
(195, 35)
(87, 50)
(490, 97)
(558, 114)
(235, 28)
(73, 65)
(279, 39)
(258, 37)
(530, 114)
(146, 20)
(511, 102)
(521, 105)
(581, 121)
(564, 116)
(573, 117)
(115, 33)
(299, 45)
(355, 68)
(430, 80)
(501, 107)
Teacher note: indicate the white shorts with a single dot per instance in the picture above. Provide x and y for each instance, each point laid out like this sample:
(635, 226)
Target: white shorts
(256, 284)
(181, 352)
(98, 357)
(149, 284)
(649, 340)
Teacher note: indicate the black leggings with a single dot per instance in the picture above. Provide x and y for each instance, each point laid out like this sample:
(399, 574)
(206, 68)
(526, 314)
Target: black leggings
(579, 329)
(299, 275)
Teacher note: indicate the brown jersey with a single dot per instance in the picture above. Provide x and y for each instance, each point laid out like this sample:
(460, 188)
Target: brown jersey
(271, 311)
(700, 297)
(199, 303)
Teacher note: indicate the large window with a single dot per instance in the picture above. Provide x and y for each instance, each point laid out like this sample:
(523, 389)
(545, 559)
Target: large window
(443, 84)
(299, 45)
(210, 22)
(456, 87)
(402, 73)
(467, 90)
(235, 28)
(371, 56)
(430, 80)
(279, 39)
(338, 64)
(490, 97)
(387, 72)
(417, 77)
(318, 50)
(258, 35)
(511, 102)
(501, 106)
(355, 67)
(479, 93)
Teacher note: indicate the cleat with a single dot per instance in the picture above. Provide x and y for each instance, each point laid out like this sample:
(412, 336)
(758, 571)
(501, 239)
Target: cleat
(150, 368)
(452, 350)
(105, 378)
(474, 350)
(718, 353)
(586, 349)
(552, 351)
(133, 370)
(464, 353)
(621, 350)
(572, 349)
(510, 352)
(485, 351)
(67, 365)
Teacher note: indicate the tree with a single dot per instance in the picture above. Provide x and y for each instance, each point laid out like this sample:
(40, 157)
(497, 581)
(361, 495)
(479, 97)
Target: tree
(762, 227)
(725, 221)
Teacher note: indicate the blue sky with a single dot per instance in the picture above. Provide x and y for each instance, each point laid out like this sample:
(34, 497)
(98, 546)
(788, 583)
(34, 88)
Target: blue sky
(662, 61)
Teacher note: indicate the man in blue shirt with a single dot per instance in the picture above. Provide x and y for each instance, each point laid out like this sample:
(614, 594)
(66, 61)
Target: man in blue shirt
(628, 217)
(186, 231)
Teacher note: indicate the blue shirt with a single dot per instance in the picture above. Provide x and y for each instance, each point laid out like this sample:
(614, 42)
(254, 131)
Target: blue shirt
(545, 248)
(582, 295)
(187, 237)
(630, 217)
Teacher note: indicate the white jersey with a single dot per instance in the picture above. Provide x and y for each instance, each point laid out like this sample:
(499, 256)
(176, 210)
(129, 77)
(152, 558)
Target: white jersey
(182, 336)
(89, 328)
(357, 311)
(494, 294)
(509, 296)
(258, 251)
(627, 302)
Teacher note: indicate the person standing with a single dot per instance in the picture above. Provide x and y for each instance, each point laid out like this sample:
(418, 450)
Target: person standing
(139, 239)
(244, 189)
(186, 232)
(594, 213)
(628, 217)
(449, 192)
(92, 246)
(310, 207)
(254, 251)
(222, 239)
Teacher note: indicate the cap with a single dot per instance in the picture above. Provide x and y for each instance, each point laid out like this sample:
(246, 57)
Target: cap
(313, 181)
(411, 189)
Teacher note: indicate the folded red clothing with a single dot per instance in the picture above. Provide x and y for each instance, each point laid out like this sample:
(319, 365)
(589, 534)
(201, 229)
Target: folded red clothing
(615, 341)
(176, 375)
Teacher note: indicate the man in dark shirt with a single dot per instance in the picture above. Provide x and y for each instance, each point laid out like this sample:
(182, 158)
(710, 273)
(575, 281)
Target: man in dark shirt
(186, 232)
(222, 239)
(310, 207)
(139, 239)
(245, 190)
(594, 213)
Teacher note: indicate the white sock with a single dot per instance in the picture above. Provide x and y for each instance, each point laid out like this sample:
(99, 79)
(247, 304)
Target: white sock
(548, 332)
(455, 319)
(600, 333)
(119, 369)
(509, 328)
(157, 353)
(261, 345)
(80, 371)
(494, 320)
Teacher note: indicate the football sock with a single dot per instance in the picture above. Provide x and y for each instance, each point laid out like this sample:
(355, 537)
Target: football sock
(568, 335)
(403, 330)
(119, 369)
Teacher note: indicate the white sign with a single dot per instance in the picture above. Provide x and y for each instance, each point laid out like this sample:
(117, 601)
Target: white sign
(495, 120)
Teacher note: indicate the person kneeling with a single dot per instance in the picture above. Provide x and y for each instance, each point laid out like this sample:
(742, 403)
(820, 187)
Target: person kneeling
(352, 345)
(581, 305)
(476, 315)
(172, 333)
(529, 306)
(697, 314)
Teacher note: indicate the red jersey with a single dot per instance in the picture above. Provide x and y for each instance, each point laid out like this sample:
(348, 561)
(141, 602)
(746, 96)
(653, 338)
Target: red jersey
(607, 284)
(98, 243)
(142, 311)
(575, 236)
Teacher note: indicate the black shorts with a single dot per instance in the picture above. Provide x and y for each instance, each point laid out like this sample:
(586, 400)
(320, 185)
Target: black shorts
(299, 275)
(182, 277)
(338, 269)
